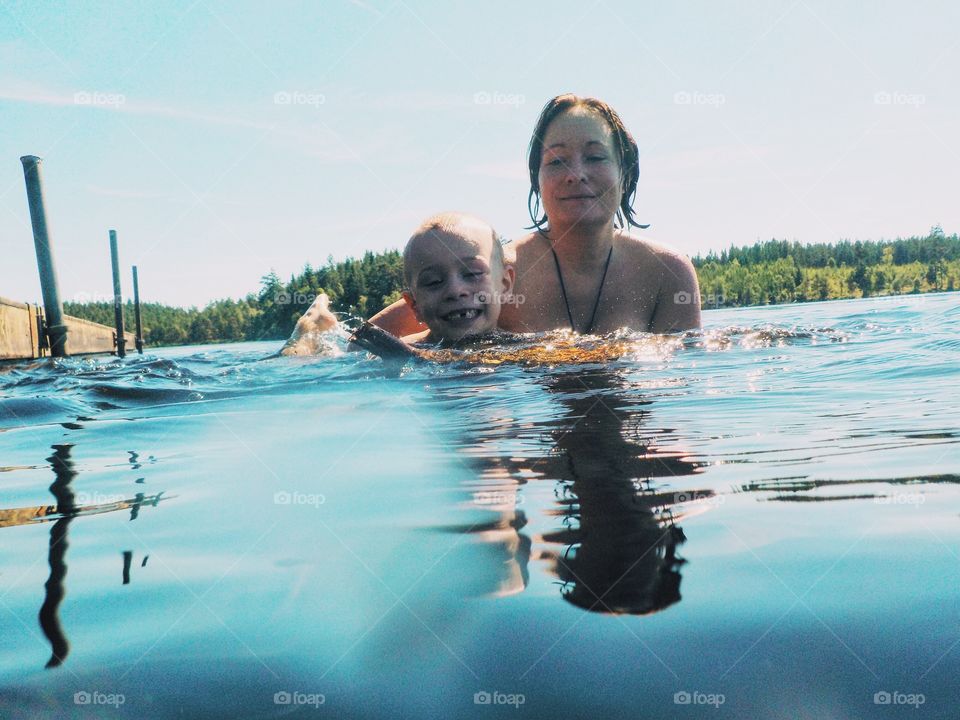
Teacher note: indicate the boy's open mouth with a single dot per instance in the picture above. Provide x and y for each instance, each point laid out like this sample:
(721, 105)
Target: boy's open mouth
(462, 314)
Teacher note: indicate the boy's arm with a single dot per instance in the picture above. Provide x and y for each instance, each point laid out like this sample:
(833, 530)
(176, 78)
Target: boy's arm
(398, 320)
(319, 319)
(379, 342)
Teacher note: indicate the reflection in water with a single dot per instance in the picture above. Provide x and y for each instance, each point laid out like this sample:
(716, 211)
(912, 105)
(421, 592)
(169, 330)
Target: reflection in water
(49, 612)
(802, 488)
(127, 559)
(620, 553)
(64, 511)
(620, 537)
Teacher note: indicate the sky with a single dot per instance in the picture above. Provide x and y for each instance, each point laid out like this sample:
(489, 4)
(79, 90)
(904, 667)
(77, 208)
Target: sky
(223, 140)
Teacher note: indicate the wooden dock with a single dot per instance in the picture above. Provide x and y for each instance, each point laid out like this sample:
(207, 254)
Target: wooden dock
(21, 337)
(30, 331)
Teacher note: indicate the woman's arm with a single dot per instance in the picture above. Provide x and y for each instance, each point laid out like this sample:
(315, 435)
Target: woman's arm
(398, 320)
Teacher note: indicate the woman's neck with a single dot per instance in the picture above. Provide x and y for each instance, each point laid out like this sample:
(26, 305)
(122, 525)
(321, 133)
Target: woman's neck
(580, 247)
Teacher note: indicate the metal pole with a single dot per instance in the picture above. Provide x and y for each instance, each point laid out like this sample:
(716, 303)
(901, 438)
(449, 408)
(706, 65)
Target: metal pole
(117, 299)
(136, 310)
(53, 308)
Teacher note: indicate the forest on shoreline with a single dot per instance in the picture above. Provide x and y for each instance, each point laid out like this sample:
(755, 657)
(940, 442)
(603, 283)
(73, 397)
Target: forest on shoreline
(769, 272)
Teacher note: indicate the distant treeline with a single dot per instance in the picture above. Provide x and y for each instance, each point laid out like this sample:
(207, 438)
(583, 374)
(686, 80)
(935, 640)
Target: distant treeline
(777, 271)
(774, 271)
(357, 288)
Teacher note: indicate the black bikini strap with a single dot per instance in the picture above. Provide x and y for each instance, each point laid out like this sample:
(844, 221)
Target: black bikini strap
(563, 290)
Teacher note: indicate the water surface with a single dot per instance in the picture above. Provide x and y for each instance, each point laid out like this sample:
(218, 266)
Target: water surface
(760, 520)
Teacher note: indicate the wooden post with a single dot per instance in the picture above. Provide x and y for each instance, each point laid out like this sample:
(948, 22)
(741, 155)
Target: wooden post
(55, 330)
(117, 299)
(136, 311)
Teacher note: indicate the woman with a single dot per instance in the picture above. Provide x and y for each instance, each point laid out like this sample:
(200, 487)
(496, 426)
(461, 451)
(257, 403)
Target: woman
(581, 268)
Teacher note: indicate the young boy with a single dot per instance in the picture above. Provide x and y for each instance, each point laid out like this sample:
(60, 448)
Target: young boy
(456, 280)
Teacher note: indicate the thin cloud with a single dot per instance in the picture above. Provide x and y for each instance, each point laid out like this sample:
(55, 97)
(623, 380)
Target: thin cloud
(117, 102)
(501, 171)
(367, 7)
(125, 193)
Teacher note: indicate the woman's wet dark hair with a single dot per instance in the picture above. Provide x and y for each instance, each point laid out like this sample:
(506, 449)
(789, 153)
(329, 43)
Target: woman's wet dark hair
(623, 144)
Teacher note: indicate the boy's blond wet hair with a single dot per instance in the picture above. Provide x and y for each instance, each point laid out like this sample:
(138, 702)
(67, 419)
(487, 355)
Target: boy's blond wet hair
(454, 223)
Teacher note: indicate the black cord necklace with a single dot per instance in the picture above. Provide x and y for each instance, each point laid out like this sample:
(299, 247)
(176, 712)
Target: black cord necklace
(563, 290)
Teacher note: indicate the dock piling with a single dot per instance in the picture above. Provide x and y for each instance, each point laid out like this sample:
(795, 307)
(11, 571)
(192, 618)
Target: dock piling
(55, 329)
(136, 311)
(117, 298)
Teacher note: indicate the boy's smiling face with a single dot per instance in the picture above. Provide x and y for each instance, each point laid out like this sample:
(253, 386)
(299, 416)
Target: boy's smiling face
(456, 282)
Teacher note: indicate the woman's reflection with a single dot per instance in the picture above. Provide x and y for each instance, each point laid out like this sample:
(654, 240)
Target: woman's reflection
(620, 537)
(620, 553)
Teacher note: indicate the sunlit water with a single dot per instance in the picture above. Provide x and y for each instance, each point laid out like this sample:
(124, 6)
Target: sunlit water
(759, 521)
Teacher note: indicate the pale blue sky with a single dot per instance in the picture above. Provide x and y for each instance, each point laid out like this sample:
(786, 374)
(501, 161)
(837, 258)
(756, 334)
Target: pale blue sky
(225, 139)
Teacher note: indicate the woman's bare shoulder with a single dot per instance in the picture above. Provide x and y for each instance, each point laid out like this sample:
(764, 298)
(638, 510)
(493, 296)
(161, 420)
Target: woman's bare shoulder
(640, 246)
(519, 246)
(661, 257)
(674, 276)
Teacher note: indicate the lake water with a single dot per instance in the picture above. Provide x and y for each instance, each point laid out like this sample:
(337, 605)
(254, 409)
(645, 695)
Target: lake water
(759, 521)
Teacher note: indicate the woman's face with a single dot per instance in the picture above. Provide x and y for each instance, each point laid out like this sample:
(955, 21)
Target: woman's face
(580, 178)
